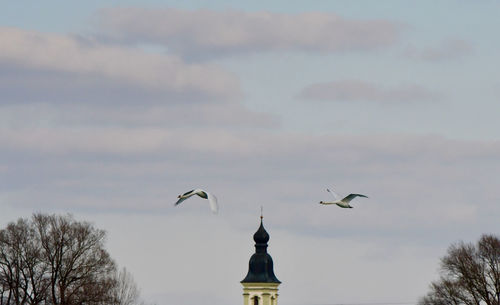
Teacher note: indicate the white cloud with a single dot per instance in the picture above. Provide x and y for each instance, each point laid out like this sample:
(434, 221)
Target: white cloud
(39, 66)
(212, 33)
(356, 90)
(411, 180)
(446, 50)
(177, 115)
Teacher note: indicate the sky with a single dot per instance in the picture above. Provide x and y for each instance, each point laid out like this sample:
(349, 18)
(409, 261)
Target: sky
(110, 109)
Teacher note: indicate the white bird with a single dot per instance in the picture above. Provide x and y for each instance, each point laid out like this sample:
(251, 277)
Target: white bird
(344, 202)
(205, 195)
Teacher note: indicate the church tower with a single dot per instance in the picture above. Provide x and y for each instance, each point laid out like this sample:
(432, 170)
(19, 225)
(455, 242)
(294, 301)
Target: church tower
(260, 286)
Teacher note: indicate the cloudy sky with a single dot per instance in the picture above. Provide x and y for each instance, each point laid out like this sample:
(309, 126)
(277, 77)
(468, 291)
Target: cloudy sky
(110, 109)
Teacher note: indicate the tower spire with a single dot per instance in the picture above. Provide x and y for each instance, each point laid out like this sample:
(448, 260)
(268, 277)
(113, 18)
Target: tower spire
(260, 286)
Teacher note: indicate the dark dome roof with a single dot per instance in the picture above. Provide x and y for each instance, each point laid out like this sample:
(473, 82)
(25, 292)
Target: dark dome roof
(260, 266)
(261, 236)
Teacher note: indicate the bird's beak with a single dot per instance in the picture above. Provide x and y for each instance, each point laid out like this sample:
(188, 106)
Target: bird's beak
(179, 196)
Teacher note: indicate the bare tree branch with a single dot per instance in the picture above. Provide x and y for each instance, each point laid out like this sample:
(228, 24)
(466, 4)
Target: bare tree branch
(470, 275)
(56, 260)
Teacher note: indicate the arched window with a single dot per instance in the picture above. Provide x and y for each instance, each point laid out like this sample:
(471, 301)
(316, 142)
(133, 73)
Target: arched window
(255, 300)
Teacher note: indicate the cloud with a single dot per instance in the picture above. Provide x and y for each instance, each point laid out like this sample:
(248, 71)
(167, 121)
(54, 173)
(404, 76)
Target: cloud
(114, 168)
(61, 80)
(211, 33)
(37, 66)
(174, 116)
(447, 50)
(356, 90)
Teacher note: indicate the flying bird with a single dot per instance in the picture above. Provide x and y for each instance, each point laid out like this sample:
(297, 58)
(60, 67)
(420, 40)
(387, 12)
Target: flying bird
(205, 195)
(344, 202)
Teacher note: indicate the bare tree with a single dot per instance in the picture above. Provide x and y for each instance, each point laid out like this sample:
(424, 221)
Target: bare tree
(470, 275)
(127, 292)
(22, 272)
(80, 269)
(56, 260)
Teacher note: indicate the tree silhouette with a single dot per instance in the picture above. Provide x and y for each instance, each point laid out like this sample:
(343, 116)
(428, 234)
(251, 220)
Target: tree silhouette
(56, 260)
(470, 275)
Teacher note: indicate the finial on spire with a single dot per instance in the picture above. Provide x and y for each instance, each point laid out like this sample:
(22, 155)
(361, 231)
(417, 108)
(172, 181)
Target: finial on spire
(261, 212)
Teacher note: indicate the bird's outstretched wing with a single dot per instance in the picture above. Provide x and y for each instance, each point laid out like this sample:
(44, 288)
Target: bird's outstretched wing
(180, 200)
(350, 197)
(213, 202)
(337, 197)
(203, 194)
(184, 197)
(189, 194)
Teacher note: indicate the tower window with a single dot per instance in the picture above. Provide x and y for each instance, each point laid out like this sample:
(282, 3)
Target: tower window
(255, 300)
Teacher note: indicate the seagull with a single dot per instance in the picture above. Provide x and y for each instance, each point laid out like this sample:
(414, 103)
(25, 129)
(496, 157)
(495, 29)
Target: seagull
(343, 203)
(205, 195)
